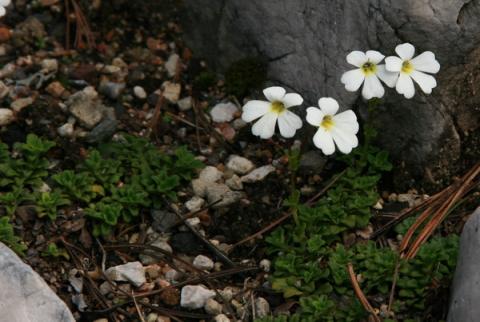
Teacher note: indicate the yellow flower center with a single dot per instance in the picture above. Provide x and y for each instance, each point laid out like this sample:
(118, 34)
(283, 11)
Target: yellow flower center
(277, 107)
(369, 68)
(327, 122)
(407, 67)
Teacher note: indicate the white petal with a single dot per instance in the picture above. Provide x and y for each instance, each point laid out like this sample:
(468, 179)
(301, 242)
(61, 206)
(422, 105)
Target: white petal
(389, 78)
(328, 105)
(265, 127)
(323, 140)
(254, 109)
(347, 121)
(357, 58)
(2, 11)
(353, 79)
(405, 51)
(426, 62)
(292, 99)
(374, 56)
(425, 81)
(372, 87)
(314, 116)
(345, 141)
(274, 93)
(393, 64)
(405, 86)
(289, 123)
(5, 3)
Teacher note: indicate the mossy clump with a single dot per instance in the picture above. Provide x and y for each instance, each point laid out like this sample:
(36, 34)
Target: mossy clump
(204, 80)
(245, 75)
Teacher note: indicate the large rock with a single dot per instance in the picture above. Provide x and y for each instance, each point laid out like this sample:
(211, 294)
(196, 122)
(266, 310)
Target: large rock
(24, 295)
(465, 294)
(306, 42)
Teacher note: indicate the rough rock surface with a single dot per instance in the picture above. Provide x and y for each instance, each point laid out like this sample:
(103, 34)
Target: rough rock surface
(306, 42)
(24, 295)
(465, 294)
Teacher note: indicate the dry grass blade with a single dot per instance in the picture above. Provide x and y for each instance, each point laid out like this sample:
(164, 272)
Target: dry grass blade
(359, 293)
(437, 211)
(465, 185)
(83, 34)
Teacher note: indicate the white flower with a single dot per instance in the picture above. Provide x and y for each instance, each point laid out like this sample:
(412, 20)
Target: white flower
(407, 68)
(270, 112)
(3, 5)
(368, 74)
(340, 128)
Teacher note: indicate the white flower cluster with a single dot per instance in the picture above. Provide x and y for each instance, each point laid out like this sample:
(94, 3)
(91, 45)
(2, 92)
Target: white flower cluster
(397, 72)
(341, 129)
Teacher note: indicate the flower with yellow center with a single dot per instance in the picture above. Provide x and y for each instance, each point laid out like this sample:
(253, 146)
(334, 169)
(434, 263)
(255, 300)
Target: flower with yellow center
(409, 69)
(369, 73)
(333, 129)
(276, 109)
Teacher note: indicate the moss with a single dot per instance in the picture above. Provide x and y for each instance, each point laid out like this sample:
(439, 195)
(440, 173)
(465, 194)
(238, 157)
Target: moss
(245, 75)
(204, 80)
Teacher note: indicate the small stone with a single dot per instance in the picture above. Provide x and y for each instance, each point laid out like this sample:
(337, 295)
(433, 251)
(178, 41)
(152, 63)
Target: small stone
(199, 187)
(55, 89)
(49, 65)
(159, 243)
(258, 174)
(222, 195)
(262, 308)
(66, 130)
(221, 318)
(132, 272)
(90, 92)
(239, 124)
(111, 69)
(162, 318)
(171, 91)
(106, 288)
(408, 198)
(85, 109)
(227, 293)
(6, 116)
(152, 317)
(213, 307)
(195, 204)
(210, 174)
(223, 112)
(101, 320)
(21, 103)
(195, 296)
(193, 222)
(234, 183)
(239, 165)
(163, 220)
(266, 265)
(139, 92)
(185, 103)
(172, 275)
(111, 89)
(103, 131)
(171, 64)
(4, 90)
(203, 263)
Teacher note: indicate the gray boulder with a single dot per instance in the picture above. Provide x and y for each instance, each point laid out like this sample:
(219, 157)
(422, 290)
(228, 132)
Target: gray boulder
(24, 295)
(465, 294)
(306, 42)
